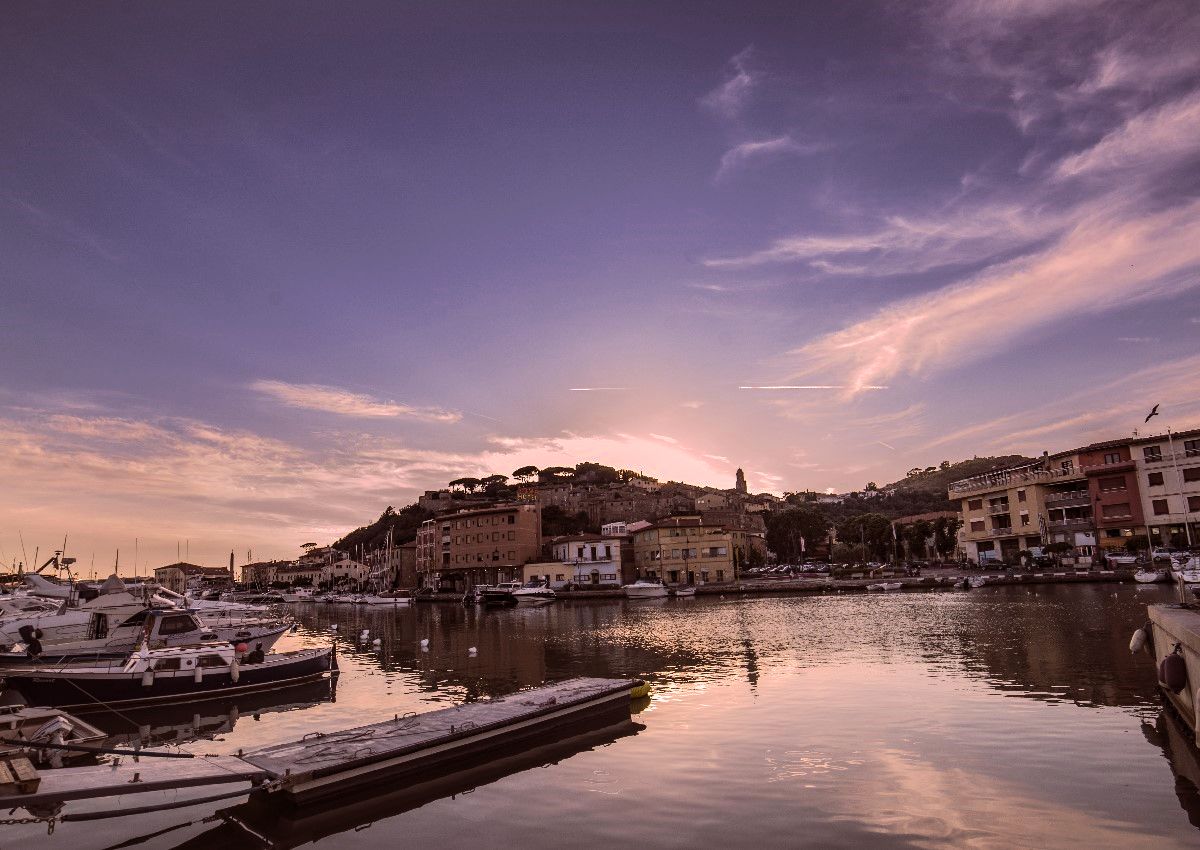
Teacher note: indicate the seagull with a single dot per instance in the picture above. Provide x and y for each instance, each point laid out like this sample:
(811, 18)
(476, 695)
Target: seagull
(1152, 413)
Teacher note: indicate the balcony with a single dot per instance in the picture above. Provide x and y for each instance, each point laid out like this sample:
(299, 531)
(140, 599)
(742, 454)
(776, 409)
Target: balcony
(1070, 498)
(1077, 524)
(1013, 478)
(993, 510)
(1107, 468)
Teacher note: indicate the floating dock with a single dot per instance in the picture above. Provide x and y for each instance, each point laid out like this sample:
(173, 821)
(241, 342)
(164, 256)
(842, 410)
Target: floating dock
(323, 766)
(1179, 624)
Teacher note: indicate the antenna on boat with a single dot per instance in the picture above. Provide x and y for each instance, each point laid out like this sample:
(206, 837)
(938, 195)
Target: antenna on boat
(24, 554)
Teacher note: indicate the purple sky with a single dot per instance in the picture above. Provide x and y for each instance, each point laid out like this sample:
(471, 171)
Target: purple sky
(270, 267)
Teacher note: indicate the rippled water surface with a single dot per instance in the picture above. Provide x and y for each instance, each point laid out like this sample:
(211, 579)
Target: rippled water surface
(997, 717)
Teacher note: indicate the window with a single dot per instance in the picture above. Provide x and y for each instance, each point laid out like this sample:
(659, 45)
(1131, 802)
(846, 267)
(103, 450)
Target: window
(1193, 503)
(1152, 454)
(1191, 448)
(211, 661)
(975, 504)
(512, 519)
(1067, 466)
(608, 553)
(176, 625)
(166, 664)
(1160, 507)
(1112, 457)
(1024, 519)
(977, 525)
(1154, 479)
(1121, 509)
(1109, 484)
(1191, 473)
(720, 575)
(1020, 495)
(704, 575)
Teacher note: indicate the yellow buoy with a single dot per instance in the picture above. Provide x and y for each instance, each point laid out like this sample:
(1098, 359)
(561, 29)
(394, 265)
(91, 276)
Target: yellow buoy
(639, 691)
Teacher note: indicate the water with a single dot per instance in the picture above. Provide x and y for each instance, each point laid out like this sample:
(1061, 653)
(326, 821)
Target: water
(997, 717)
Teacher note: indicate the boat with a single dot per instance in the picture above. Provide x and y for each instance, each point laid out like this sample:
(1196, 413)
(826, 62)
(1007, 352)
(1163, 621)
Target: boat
(474, 595)
(23, 728)
(254, 597)
(534, 592)
(977, 581)
(382, 599)
(1147, 576)
(684, 590)
(294, 595)
(1172, 638)
(1186, 570)
(1121, 560)
(645, 588)
(179, 674)
(501, 594)
(96, 612)
(886, 585)
(155, 628)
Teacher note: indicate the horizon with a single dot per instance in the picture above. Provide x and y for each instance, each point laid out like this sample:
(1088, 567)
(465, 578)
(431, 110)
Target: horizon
(273, 268)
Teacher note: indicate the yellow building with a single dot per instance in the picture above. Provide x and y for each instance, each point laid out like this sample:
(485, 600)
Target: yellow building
(688, 550)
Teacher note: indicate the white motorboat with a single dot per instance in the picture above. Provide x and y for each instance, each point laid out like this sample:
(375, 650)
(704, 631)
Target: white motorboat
(475, 595)
(886, 585)
(977, 581)
(534, 592)
(684, 590)
(1150, 576)
(297, 594)
(645, 588)
(91, 617)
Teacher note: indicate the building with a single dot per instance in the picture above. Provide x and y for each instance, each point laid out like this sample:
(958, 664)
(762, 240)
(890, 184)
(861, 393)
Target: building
(595, 559)
(1006, 511)
(711, 501)
(1168, 473)
(687, 550)
(310, 574)
(176, 576)
(484, 546)
(1114, 493)
(740, 482)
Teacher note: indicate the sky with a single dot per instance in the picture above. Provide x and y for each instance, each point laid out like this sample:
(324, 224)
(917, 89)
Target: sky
(268, 268)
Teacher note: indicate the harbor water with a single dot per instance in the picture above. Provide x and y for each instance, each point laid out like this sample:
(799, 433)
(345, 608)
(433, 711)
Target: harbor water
(996, 717)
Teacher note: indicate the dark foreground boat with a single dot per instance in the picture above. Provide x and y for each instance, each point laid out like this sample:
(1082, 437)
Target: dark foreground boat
(165, 676)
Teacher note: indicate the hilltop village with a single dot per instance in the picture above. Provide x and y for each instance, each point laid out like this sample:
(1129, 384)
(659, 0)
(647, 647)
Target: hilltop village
(597, 526)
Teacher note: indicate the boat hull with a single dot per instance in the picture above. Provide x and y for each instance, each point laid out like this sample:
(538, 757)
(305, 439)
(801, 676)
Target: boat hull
(76, 689)
(648, 592)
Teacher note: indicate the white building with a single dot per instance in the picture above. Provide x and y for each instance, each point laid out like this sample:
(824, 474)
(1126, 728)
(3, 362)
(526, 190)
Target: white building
(592, 559)
(1169, 481)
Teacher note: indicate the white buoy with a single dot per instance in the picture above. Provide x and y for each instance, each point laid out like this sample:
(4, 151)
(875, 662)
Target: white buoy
(1138, 641)
(472, 651)
(333, 628)
(424, 643)
(378, 642)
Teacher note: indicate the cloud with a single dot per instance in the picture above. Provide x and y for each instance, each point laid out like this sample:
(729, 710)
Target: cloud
(741, 154)
(812, 387)
(596, 389)
(1137, 339)
(908, 244)
(665, 439)
(730, 97)
(345, 403)
(1112, 257)
(1154, 139)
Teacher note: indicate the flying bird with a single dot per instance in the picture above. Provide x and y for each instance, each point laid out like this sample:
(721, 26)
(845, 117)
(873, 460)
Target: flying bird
(1152, 413)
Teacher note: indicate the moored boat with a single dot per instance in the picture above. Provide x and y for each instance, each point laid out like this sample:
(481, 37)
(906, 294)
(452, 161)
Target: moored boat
(501, 594)
(1148, 576)
(645, 588)
(165, 676)
(534, 592)
(382, 599)
(685, 590)
(27, 729)
(886, 585)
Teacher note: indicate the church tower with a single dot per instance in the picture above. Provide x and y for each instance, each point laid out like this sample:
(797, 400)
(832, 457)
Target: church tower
(741, 481)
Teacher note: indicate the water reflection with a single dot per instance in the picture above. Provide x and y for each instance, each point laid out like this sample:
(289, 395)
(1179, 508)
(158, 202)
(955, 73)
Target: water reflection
(995, 717)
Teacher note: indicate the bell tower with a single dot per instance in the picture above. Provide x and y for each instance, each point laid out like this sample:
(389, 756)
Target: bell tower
(741, 481)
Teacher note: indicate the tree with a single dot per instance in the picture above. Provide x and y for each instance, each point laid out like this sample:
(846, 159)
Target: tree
(596, 473)
(557, 522)
(917, 536)
(1137, 543)
(785, 529)
(871, 487)
(1057, 550)
(556, 473)
(945, 535)
(525, 474)
(872, 530)
(493, 480)
(468, 484)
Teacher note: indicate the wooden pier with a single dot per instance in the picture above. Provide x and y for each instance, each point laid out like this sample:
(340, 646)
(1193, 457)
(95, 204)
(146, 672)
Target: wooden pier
(324, 766)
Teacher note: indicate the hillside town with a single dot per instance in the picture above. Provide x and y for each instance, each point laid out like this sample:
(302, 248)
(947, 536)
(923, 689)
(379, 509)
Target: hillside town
(595, 526)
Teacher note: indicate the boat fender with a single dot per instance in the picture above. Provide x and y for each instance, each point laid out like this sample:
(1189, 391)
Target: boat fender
(147, 678)
(1138, 642)
(472, 651)
(639, 691)
(198, 676)
(234, 673)
(1172, 670)
(378, 642)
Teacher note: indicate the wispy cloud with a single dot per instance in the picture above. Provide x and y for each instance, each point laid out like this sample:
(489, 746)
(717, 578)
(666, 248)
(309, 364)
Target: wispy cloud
(596, 389)
(813, 387)
(665, 439)
(1137, 339)
(730, 97)
(345, 403)
(741, 154)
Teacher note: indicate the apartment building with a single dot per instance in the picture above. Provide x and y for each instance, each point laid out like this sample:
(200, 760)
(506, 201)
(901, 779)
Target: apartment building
(484, 546)
(1168, 475)
(1024, 507)
(688, 550)
(591, 559)
(1114, 492)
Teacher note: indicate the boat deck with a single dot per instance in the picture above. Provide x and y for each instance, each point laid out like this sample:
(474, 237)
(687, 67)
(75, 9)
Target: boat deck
(1177, 624)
